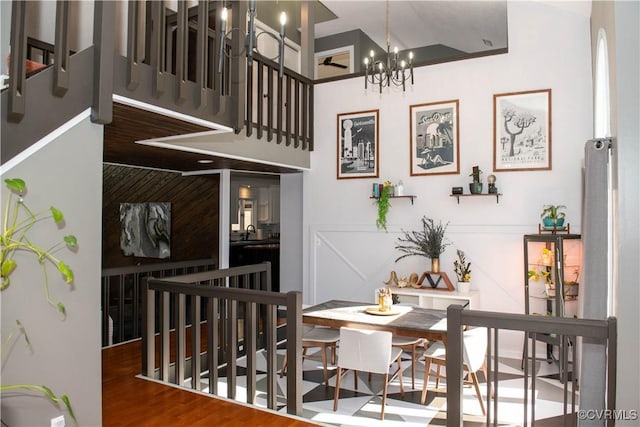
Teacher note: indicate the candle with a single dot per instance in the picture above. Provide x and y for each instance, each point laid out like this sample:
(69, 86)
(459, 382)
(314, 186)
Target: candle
(366, 71)
(223, 25)
(283, 21)
(411, 65)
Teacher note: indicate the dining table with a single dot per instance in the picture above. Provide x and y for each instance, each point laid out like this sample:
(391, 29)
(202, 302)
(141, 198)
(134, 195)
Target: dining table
(401, 320)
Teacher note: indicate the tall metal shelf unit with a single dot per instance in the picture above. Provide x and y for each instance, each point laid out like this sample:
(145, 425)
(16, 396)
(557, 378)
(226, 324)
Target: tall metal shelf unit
(552, 268)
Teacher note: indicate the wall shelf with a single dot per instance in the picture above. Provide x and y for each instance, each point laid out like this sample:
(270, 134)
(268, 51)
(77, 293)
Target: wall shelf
(411, 196)
(496, 195)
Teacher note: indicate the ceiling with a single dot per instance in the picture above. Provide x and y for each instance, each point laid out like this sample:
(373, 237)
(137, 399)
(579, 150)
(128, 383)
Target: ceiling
(459, 24)
(131, 124)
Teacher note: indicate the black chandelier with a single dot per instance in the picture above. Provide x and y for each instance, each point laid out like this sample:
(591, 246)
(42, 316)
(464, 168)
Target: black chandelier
(250, 44)
(389, 71)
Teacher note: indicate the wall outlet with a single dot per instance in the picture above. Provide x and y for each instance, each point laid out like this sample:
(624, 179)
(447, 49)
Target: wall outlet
(58, 421)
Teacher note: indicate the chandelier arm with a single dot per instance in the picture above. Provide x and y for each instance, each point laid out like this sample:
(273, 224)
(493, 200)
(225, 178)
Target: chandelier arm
(389, 71)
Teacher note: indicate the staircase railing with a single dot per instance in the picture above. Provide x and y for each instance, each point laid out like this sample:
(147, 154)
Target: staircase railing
(122, 295)
(568, 330)
(219, 335)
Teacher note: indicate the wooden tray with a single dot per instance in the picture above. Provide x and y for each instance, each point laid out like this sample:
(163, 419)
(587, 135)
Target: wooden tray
(376, 312)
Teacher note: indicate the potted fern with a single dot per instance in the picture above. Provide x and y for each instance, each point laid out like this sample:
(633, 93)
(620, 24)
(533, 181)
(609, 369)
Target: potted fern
(19, 219)
(429, 242)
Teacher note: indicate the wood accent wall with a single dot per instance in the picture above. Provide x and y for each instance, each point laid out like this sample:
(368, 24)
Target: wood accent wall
(194, 212)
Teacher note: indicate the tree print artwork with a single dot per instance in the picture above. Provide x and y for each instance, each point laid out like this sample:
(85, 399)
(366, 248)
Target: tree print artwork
(522, 124)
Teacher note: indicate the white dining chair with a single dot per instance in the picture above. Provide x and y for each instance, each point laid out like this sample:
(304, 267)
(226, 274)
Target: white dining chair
(367, 351)
(322, 338)
(411, 346)
(473, 357)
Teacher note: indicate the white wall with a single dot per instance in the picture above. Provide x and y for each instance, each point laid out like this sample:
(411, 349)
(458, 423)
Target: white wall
(66, 355)
(346, 257)
(627, 131)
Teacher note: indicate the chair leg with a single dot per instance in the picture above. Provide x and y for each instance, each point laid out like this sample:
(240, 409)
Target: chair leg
(384, 395)
(400, 375)
(427, 369)
(355, 379)
(474, 380)
(284, 366)
(438, 376)
(323, 356)
(337, 393)
(413, 366)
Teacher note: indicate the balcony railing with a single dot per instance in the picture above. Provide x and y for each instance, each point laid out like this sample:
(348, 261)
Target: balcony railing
(171, 62)
(568, 330)
(198, 352)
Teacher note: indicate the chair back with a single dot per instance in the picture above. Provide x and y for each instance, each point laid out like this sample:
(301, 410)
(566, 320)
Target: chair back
(365, 350)
(475, 348)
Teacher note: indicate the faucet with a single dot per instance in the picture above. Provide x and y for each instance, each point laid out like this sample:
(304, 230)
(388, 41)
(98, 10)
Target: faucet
(250, 228)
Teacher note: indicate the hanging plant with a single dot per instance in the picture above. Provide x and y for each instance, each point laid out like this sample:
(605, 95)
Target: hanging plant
(383, 207)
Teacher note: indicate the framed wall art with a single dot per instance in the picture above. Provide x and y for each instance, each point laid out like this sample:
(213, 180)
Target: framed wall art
(522, 131)
(145, 229)
(358, 145)
(434, 138)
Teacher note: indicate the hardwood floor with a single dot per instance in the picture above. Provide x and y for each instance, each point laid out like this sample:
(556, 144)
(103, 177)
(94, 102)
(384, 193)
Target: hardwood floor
(131, 401)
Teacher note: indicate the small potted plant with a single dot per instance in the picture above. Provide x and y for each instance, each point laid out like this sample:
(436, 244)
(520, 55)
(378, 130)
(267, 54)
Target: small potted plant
(475, 187)
(552, 216)
(462, 268)
(429, 242)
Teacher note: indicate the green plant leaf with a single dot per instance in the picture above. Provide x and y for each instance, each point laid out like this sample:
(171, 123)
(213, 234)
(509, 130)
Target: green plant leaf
(16, 184)
(71, 241)
(8, 265)
(66, 271)
(57, 214)
(24, 332)
(67, 403)
(49, 394)
(61, 308)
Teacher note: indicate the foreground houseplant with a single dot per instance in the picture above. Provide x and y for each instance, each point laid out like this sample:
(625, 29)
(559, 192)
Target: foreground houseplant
(462, 269)
(17, 223)
(429, 242)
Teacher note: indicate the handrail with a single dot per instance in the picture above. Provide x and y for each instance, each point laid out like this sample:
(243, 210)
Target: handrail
(224, 306)
(124, 308)
(567, 329)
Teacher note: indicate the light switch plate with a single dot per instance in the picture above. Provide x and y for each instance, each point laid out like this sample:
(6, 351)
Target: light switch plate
(58, 421)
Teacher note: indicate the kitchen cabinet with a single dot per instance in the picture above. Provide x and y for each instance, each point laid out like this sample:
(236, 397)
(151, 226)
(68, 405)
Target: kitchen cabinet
(256, 251)
(269, 204)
